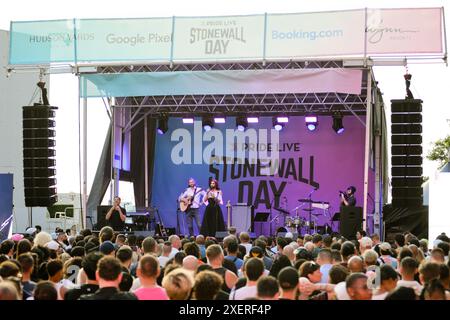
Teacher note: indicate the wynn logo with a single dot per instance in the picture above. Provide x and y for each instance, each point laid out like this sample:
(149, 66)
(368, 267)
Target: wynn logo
(377, 33)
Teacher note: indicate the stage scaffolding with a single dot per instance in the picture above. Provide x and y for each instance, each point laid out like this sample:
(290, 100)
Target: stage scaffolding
(367, 107)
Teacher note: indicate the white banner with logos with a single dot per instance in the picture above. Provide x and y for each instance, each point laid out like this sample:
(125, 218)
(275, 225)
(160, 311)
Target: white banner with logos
(211, 38)
(404, 31)
(351, 33)
(315, 34)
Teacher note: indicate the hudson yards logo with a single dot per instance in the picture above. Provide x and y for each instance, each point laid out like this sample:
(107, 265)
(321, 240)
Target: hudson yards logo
(217, 35)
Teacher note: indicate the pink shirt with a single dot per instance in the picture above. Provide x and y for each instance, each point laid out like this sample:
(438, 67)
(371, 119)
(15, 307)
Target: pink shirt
(155, 293)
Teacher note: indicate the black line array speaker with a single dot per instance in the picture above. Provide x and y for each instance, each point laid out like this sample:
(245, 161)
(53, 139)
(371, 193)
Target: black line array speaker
(39, 155)
(351, 219)
(101, 216)
(406, 159)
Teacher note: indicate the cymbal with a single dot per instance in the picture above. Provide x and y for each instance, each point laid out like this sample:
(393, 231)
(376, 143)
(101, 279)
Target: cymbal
(282, 210)
(305, 200)
(307, 209)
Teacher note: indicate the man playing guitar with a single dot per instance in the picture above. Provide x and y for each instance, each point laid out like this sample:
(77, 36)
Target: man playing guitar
(190, 201)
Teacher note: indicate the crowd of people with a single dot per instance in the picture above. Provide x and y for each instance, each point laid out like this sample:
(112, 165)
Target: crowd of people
(105, 265)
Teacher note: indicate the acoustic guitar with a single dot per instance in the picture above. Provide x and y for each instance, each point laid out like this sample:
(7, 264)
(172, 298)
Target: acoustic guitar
(185, 203)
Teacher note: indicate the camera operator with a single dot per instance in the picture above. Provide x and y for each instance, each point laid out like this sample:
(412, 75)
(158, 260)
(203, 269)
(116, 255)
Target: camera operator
(347, 198)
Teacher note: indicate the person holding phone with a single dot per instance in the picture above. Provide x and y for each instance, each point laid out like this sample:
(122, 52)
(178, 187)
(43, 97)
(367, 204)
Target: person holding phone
(115, 217)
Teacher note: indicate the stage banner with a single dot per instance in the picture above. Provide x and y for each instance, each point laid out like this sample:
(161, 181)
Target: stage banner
(206, 38)
(404, 31)
(349, 33)
(315, 34)
(6, 204)
(123, 39)
(36, 42)
(318, 163)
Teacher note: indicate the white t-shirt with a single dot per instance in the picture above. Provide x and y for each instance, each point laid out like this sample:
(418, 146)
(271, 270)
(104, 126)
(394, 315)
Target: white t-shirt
(162, 261)
(244, 293)
(173, 253)
(381, 296)
(136, 285)
(248, 247)
(411, 284)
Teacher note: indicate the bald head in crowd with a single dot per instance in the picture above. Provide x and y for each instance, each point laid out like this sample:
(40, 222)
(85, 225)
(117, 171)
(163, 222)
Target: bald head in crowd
(355, 264)
(309, 246)
(289, 252)
(190, 263)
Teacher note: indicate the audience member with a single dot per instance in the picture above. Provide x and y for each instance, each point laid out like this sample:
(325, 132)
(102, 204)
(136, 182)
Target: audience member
(109, 275)
(357, 288)
(253, 270)
(267, 288)
(207, 285)
(148, 271)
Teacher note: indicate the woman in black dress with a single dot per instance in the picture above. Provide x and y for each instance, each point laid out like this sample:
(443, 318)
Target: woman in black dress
(213, 217)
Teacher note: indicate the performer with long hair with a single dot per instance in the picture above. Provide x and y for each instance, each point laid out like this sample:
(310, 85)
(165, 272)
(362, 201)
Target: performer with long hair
(213, 218)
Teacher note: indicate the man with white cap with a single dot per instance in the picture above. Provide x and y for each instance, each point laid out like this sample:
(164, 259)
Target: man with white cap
(31, 231)
(385, 255)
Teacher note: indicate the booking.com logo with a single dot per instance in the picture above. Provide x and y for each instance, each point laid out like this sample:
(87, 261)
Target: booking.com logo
(306, 35)
(249, 146)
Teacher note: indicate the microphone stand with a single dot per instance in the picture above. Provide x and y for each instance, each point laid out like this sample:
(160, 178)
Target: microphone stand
(310, 209)
(271, 221)
(178, 218)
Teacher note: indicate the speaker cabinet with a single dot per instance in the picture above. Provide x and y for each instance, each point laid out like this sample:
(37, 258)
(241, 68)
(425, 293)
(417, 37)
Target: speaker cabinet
(350, 221)
(101, 216)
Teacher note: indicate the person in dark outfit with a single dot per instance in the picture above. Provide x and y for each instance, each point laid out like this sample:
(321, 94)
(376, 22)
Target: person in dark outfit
(213, 217)
(348, 198)
(89, 265)
(115, 217)
(109, 276)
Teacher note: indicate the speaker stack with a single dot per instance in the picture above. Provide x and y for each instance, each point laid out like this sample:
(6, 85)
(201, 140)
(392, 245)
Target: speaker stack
(39, 155)
(406, 160)
(406, 212)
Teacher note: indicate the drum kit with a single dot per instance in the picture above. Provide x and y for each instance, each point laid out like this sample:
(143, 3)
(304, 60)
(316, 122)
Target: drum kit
(297, 223)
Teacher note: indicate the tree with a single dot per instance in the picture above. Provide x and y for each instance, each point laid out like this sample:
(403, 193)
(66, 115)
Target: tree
(440, 151)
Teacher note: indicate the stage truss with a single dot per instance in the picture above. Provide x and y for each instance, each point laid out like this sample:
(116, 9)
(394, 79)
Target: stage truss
(234, 104)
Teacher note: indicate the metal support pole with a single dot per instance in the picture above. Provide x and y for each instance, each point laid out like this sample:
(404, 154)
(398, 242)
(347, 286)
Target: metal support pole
(146, 161)
(116, 171)
(378, 185)
(85, 139)
(111, 188)
(367, 145)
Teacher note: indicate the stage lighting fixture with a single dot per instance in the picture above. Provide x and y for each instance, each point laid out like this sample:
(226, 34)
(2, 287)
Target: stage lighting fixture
(188, 120)
(278, 125)
(219, 120)
(241, 123)
(163, 125)
(208, 123)
(282, 119)
(252, 119)
(338, 127)
(311, 122)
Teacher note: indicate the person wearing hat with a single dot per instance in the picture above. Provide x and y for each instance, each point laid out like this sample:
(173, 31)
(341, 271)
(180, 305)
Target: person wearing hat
(348, 198)
(386, 255)
(108, 248)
